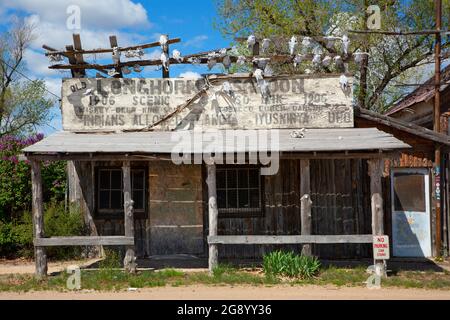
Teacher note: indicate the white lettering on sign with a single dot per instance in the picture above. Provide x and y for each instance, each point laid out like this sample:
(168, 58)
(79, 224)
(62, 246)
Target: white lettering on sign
(381, 247)
(134, 104)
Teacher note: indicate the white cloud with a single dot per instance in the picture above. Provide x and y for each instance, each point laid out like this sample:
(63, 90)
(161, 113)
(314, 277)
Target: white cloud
(190, 75)
(102, 14)
(58, 36)
(196, 42)
(99, 19)
(54, 86)
(38, 63)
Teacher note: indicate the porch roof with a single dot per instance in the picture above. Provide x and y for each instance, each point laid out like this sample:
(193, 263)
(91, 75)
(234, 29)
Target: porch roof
(314, 140)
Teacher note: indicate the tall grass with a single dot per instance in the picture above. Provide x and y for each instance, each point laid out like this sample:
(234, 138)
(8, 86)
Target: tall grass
(289, 264)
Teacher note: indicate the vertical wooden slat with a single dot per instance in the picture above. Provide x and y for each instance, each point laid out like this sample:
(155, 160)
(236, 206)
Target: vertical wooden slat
(212, 215)
(81, 73)
(113, 43)
(306, 203)
(130, 259)
(38, 219)
(75, 73)
(375, 171)
(255, 53)
(165, 73)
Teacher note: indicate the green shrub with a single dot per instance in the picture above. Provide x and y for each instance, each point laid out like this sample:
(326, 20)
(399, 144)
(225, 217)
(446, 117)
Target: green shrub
(280, 263)
(6, 238)
(16, 236)
(58, 223)
(15, 177)
(112, 259)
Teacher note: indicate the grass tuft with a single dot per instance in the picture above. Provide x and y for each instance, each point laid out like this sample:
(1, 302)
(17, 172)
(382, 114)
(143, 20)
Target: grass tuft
(109, 279)
(288, 264)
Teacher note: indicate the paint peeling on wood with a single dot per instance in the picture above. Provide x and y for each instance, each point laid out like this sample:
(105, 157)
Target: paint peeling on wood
(133, 104)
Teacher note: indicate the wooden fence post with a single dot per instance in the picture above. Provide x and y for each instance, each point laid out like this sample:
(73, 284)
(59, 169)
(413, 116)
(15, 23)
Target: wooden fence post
(213, 215)
(305, 204)
(40, 256)
(376, 167)
(130, 259)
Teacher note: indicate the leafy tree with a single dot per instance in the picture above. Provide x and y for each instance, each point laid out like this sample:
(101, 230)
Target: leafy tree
(389, 59)
(15, 177)
(23, 104)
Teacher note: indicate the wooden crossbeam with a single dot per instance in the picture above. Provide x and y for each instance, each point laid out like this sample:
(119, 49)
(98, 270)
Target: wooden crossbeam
(142, 63)
(84, 241)
(401, 33)
(93, 51)
(185, 60)
(54, 51)
(318, 239)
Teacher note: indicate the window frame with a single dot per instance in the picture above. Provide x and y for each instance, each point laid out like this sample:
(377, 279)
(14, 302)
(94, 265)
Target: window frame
(118, 213)
(242, 212)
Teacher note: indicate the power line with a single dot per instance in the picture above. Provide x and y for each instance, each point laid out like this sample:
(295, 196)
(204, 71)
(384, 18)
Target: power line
(29, 79)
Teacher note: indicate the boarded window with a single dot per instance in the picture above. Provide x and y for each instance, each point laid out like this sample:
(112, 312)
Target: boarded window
(110, 190)
(409, 192)
(239, 190)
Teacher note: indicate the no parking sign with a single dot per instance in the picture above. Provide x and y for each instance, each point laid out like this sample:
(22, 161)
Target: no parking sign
(381, 247)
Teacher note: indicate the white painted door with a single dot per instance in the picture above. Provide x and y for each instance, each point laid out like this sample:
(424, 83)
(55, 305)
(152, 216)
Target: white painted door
(411, 227)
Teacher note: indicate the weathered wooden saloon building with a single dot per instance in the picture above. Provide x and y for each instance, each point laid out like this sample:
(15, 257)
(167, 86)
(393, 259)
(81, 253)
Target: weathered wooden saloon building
(212, 168)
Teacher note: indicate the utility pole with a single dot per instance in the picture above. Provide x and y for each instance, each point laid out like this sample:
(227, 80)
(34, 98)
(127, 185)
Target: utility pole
(437, 127)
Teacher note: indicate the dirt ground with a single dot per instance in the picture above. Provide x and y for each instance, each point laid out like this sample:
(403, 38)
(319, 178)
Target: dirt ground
(21, 266)
(238, 293)
(203, 292)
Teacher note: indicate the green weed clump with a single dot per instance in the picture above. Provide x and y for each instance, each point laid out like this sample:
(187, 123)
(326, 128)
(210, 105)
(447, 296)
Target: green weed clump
(16, 236)
(289, 264)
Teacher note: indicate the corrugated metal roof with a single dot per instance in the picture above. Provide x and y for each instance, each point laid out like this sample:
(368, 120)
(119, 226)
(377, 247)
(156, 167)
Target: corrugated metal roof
(225, 141)
(423, 93)
(410, 128)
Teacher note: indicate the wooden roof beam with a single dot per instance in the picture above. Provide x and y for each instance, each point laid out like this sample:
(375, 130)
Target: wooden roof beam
(94, 51)
(185, 60)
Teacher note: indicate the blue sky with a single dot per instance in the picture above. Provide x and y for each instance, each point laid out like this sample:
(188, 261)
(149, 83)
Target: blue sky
(133, 22)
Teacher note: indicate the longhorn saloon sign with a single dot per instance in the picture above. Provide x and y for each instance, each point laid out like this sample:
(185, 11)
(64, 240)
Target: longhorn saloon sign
(134, 104)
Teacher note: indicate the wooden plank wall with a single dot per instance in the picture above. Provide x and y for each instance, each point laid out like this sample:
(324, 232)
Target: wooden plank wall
(339, 190)
(82, 190)
(176, 209)
(281, 201)
(341, 205)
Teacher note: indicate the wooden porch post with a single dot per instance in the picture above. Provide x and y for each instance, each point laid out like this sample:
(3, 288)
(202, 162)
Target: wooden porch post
(212, 214)
(40, 256)
(305, 204)
(130, 259)
(376, 167)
